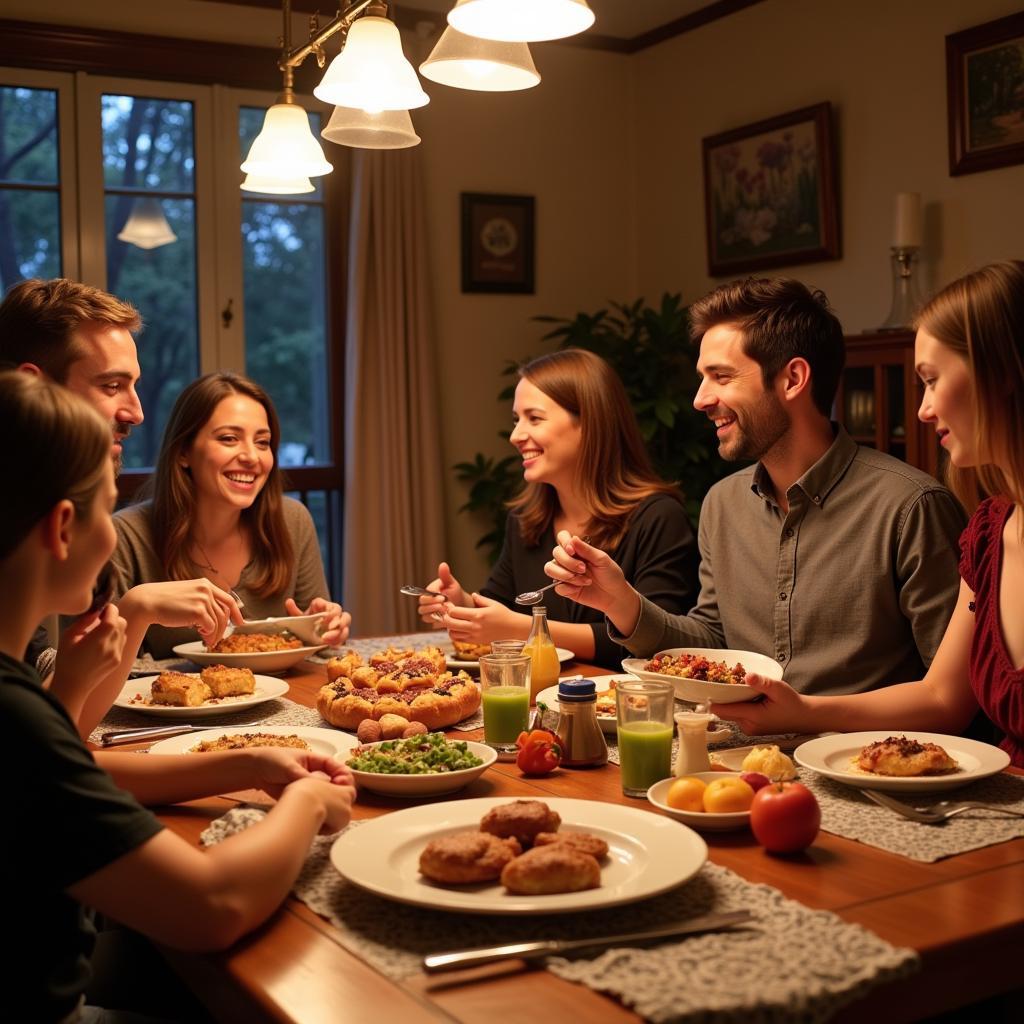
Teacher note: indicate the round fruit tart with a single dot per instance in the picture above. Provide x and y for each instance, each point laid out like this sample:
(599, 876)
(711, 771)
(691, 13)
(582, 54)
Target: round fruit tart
(412, 684)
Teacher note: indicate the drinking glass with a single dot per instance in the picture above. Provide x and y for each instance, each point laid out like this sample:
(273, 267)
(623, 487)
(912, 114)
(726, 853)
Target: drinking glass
(645, 711)
(507, 646)
(505, 682)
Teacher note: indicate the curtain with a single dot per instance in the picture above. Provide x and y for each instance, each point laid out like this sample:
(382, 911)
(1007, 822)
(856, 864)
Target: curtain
(394, 527)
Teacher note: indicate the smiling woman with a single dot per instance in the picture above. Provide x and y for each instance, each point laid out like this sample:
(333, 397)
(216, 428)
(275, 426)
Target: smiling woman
(218, 511)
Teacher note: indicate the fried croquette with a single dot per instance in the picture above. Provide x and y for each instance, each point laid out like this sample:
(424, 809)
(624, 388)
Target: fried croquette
(556, 867)
(523, 819)
(467, 857)
(584, 842)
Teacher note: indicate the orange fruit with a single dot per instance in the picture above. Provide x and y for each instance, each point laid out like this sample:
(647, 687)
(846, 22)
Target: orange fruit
(728, 795)
(686, 794)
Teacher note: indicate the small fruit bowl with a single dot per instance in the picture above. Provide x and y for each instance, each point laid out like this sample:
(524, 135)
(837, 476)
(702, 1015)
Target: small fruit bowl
(703, 821)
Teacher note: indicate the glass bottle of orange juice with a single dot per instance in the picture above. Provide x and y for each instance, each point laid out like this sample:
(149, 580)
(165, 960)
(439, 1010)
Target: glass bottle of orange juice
(541, 648)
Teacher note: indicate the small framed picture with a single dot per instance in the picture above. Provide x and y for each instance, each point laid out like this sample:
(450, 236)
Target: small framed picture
(985, 93)
(497, 243)
(770, 193)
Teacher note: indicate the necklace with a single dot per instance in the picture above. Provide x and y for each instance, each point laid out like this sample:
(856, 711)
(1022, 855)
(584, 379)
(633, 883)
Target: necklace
(199, 565)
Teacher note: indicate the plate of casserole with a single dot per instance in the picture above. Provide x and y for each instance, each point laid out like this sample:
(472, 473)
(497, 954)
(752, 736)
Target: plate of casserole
(198, 695)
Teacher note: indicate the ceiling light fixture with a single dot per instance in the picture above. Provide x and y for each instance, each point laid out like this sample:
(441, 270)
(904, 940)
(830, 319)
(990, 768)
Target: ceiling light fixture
(147, 226)
(373, 86)
(521, 21)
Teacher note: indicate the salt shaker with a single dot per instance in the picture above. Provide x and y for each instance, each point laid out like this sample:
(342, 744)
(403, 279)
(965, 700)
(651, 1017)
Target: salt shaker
(693, 743)
(579, 732)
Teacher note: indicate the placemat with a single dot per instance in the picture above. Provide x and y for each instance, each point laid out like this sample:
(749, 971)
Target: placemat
(790, 963)
(847, 812)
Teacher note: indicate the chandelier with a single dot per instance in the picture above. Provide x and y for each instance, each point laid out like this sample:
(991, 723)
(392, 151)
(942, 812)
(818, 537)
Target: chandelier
(372, 85)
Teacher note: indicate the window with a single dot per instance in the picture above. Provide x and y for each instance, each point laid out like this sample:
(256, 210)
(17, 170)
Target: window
(132, 185)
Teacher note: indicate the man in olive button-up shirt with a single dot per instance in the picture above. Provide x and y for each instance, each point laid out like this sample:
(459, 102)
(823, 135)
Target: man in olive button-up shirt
(837, 560)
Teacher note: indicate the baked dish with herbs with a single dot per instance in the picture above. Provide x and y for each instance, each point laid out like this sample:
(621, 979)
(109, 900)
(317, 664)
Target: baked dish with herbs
(255, 643)
(696, 666)
(905, 758)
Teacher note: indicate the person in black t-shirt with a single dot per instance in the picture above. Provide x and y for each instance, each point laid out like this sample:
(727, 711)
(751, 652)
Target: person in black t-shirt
(585, 469)
(83, 841)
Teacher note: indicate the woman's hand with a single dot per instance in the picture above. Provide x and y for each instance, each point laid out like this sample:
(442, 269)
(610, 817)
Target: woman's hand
(334, 626)
(449, 591)
(277, 767)
(90, 649)
(780, 709)
(588, 576)
(487, 620)
(196, 603)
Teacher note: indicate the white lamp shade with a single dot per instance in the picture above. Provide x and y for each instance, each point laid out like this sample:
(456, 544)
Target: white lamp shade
(487, 65)
(285, 147)
(147, 226)
(277, 186)
(390, 129)
(521, 21)
(371, 72)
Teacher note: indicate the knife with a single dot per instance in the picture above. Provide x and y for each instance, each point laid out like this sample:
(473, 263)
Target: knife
(119, 736)
(438, 962)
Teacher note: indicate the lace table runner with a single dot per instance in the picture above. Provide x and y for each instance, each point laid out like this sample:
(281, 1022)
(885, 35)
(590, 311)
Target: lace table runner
(796, 964)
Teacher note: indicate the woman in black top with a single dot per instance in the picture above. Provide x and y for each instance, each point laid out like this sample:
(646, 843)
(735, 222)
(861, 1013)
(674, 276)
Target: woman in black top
(586, 470)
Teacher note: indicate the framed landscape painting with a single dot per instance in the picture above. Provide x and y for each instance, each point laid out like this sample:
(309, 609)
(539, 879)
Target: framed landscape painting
(497, 243)
(985, 93)
(770, 193)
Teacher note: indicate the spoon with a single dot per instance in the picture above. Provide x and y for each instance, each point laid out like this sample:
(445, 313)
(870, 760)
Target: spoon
(413, 591)
(533, 596)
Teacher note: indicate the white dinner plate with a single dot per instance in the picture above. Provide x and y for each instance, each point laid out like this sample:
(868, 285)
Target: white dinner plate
(609, 723)
(303, 627)
(701, 820)
(453, 662)
(434, 784)
(648, 854)
(267, 688)
(833, 756)
(272, 662)
(698, 691)
(328, 742)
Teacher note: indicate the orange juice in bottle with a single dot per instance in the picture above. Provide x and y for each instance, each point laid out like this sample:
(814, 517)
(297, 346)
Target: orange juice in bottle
(541, 648)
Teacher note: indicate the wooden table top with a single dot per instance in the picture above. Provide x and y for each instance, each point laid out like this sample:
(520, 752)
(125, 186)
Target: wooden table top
(964, 915)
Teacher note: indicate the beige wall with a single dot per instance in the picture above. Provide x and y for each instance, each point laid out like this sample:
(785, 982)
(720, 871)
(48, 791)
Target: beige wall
(610, 147)
(881, 63)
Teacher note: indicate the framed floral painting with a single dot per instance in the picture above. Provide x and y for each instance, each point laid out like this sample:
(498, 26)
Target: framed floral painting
(770, 193)
(985, 93)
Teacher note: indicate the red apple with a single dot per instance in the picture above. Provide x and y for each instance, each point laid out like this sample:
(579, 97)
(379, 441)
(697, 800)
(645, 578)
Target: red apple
(785, 817)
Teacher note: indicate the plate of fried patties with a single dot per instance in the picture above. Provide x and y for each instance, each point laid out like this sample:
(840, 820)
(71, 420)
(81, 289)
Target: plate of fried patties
(495, 856)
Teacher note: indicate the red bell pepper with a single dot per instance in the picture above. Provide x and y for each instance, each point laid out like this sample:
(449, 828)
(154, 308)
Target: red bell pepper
(540, 753)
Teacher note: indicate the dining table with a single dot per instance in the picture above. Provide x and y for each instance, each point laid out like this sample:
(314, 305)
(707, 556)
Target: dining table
(963, 915)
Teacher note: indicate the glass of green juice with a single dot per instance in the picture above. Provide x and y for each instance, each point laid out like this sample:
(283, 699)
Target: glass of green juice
(505, 682)
(645, 727)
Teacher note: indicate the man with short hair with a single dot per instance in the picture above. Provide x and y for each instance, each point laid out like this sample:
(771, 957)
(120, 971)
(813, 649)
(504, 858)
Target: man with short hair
(837, 560)
(81, 337)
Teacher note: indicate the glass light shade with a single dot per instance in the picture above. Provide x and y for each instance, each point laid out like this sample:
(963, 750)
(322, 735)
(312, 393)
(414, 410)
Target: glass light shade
(467, 62)
(277, 186)
(390, 129)
(371, 72)
(147, 226)
(521, 21)
(285, 147)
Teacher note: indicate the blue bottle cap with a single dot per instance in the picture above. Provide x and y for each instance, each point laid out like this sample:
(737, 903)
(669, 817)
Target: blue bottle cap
(577, 690)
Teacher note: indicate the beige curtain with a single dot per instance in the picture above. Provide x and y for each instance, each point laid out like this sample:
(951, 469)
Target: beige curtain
(394, 531)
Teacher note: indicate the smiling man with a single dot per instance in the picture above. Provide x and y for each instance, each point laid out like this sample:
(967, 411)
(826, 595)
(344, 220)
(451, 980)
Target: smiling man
(838, 561)
(81, 337)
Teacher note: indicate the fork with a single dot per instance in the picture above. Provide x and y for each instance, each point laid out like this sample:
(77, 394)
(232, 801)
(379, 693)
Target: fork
(938, 812)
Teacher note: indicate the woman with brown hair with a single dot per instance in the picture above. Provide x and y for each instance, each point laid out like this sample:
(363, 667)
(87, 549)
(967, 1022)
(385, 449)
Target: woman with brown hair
(218, 511)
(586, 470)
(970, 356)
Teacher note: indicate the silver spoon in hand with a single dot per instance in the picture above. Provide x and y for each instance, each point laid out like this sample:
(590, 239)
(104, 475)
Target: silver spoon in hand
(413, 591)
(533, 596)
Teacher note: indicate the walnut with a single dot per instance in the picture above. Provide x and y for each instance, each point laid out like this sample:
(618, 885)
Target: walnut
(413, 729)
(393, 726)
(369, 731)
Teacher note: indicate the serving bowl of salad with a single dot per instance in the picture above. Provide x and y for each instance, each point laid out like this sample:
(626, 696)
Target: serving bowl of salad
(423, 765)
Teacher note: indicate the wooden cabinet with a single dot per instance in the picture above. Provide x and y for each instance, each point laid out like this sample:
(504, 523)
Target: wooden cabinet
(879, 395)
